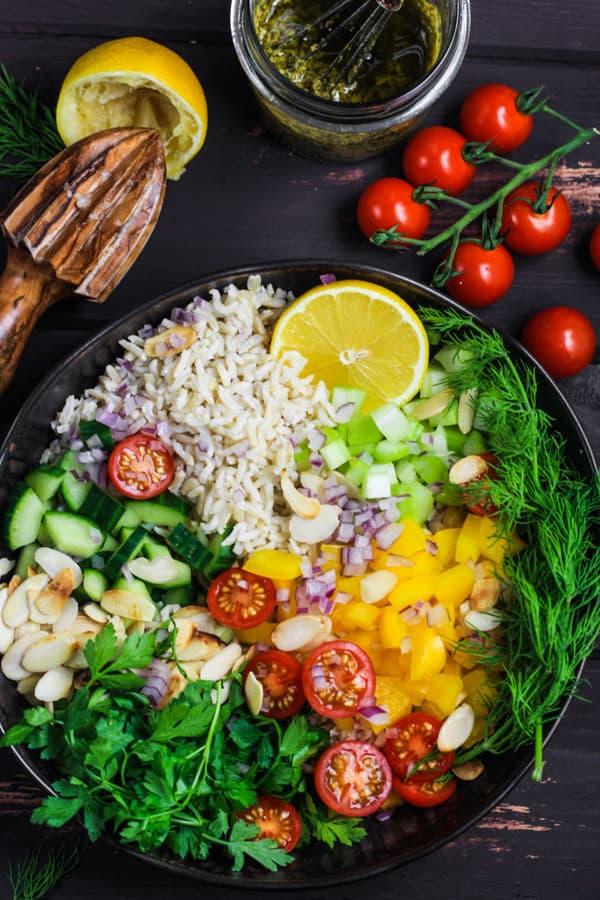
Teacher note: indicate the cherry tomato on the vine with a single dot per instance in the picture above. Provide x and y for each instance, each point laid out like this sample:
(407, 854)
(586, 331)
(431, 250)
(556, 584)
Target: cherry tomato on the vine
(276, 819)
(528, 231)
(434, 156)
(595, 247)
(280, 675)
(337, 676)
(489, 114)
(353, 778)
(240, 599)
(561, 338)
(482, 276)
(141, 467)
(413, 740)
(425, 793)
(389, 202)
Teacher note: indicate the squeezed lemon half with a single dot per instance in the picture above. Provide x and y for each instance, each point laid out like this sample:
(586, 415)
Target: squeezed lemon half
(133, 81)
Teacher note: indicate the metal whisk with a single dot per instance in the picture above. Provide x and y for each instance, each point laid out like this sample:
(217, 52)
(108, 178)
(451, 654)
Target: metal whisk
(354, 26)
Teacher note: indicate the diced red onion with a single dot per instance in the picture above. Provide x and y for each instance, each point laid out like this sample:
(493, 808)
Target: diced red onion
(345, 532)
(409, 614)
(376, 715)
(365, 457)
(126, 572)
(431, 547)
(240, 449)
(177, 315)
(437, 615)
(328, 278)
(326, 605)
(436, 487)
(384, 815)
(105, 417)
(385, 537)
(343, 597)
(122, 389)
(282, 596)
(345, 412)
(427, 439)
(125, 363)
(158, 678)
(146, 331)
(316, 440)
(163, 430)
(316, 461)
(362, 540)
(405, 645)
(350, 570)
(306, 568)
(176, 340)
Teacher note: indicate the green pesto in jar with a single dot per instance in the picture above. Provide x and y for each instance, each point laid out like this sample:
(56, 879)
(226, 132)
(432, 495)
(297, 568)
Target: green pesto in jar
(406, 49)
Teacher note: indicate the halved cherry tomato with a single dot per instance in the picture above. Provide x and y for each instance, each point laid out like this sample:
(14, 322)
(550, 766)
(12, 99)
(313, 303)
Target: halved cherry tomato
(482, 276)
(281, 677)
(489, 115)
(276, 819)
(561, 338)
(425, 793)
(141, 467)
(240, 599)
(413, 739)
(530, 231)
(434, 156)
(389, 202)
(353, 778)
(337, 677)
(595, 246)
(485, 507)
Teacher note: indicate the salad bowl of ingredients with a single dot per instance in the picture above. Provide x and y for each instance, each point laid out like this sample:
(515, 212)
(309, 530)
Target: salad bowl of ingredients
(298, 575)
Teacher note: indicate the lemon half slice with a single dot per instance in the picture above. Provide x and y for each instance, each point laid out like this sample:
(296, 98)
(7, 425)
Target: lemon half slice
(357, 334)
(133, 81)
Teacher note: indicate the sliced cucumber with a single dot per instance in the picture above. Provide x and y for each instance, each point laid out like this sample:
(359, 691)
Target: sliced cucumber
(180, 596)
(129, 548)
(96, 429)
(153, 548)
(94, 584)
(72, 533)
(73, 488)
(99, 506)
(129, 519)
(133, 585)
(45, 480)
(26, 558)
(23, 516)
(188, 547)
(166, 509)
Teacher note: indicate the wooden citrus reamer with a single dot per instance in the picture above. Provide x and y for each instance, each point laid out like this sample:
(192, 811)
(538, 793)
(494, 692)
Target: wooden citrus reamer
(76, 227)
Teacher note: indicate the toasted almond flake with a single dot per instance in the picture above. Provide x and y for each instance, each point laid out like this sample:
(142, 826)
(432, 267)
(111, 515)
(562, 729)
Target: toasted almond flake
(53, 561)
(26, 685)
(201, 646)
(254, 693)
(377, 585)
(14, 583)
(54, 685)
(466, 410)
(49, 652)
(84, 625)
(49, 603)
(27, 628)
(456, 728)
(170, 342)
(434, 405)
(156, 571)
(303, 506)
(128, 605)
(482, 621)
(11, 664)
(221, 663)
(95, 612)
(317, 530)
(17, 608)
(469, 771)
(467, 469)
(301, 632)
(485, 593)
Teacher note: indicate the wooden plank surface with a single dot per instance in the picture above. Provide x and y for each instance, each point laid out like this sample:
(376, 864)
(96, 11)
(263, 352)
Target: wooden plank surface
(246, 199)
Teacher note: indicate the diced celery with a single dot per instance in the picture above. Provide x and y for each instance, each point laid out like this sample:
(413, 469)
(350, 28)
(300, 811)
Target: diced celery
(453, 357)
(358, 449)
(357, 471)
(474, 443)
(405, 471)
(418, 505)
(447, 418)
(342, 430)
(335, 454)
(331, 434)
(341, 395)
(390, 451)
(378, 481)
(435, 380)
(455, 440)
(431, 468)
(302, 457)
(392, 422)
(362, 430)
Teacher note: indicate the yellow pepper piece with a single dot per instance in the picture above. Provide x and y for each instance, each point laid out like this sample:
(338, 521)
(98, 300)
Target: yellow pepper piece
(392, 628)
(393, 662)
(410, 541)
(454, 585)
(468, 544)
(349, 585)
(445, 540)
(424, 563)
(428, 654)
(331, 554)
(416, 691)
(357, 614)
(452, 667)
(408, 592)
(443, 693)
(390, 692)
(274, 564)
(364, 639)
(259, 634)
(494, 548)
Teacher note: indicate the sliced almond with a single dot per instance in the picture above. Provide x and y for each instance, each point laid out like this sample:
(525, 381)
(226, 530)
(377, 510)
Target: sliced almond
(485, 593)
(56, 684)
(17, 609)
(434, 405)
(77, 660)
(84, 625)
(185, 631)
(53, 561)
(26, 685)
(95, 612)
(201, 646)
(377, 585)
(14, 583)
(7, 636)
(303, 506)
(317, 530)
(254, 693)
(11, 661)
(301, 632)
(49, 652)
(50, 602)
(312, 482)
(27, 628)
(466, 410)
(170, 342)
(221, 663)
(467, 469)
(456, 728)
(469, 771)
(128, 605)
(482, 621)
(160, 570)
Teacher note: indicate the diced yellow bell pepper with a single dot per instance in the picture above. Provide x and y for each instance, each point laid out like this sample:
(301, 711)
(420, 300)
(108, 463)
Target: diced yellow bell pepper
(408, 592)
(259, 634)
(274, 564)
(392, 627)
(331, 554)
(358, 614)
(410, 541)
(416, 691)
(377, 655)
(393, 662)
(349, 585)
(477, 734)
(454, 585)
(428, 654)
(443, 693)
(338, 624)
(494, 548)
(468, 544)
(452, 667)
(364, 639)
(389, 692)
(447, 632)
(480, 690)
(445, 540)
(424, 563)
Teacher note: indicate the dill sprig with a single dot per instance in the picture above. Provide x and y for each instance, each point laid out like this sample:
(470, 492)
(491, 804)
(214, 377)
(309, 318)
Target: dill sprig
(553, 620)
(35, 875)
(28, 134)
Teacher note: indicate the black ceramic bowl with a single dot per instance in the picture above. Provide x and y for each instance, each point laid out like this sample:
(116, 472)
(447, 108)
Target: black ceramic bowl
(409, 833)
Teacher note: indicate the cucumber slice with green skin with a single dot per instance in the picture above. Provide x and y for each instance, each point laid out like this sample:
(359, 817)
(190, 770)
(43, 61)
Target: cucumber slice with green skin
(94, 584)
(102, 432)
(166, 509)
(153, 548)
(180, 596)
(73, 490)
(133, 585)
(127, 550)
(129, 519)
(25, 559)
(72, 533)
(186, 545)
(100, 507)
(110, 544)
(45, 480)
(23, 516)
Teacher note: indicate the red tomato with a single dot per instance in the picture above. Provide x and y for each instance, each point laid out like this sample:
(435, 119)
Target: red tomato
(595, 247)
(484, 507)
(281, 677)
(337, 677)
(489, 115)
(388, 202)
(353, 778)
(561, 339)
(240, 599)
(531, 232)
(434, 156)
(141, 467)
(412, 739)
(276, 819)
(424, 793)
(483, 276)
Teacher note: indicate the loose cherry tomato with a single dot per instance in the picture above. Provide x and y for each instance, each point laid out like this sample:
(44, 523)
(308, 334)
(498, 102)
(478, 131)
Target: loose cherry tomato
(424, 793)
(280, 675)
(412, 739)
(485, 507)
(337, 677)
(595, 247)
(276, 819)
(240, 599)
(489, 115)
(531, 232)
(141, 467)
(434, 156)
(388, 202)
(483, 276)
(561, 338)
(353, 778)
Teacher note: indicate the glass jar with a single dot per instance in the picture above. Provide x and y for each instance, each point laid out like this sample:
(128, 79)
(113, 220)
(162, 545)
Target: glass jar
(333, 130)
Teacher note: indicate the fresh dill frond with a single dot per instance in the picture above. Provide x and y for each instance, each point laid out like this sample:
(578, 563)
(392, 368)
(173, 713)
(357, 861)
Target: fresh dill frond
(35, 875)
(28, 133)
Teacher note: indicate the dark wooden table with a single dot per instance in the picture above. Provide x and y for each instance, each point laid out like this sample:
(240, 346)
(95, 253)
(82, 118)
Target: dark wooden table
(246, 199)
